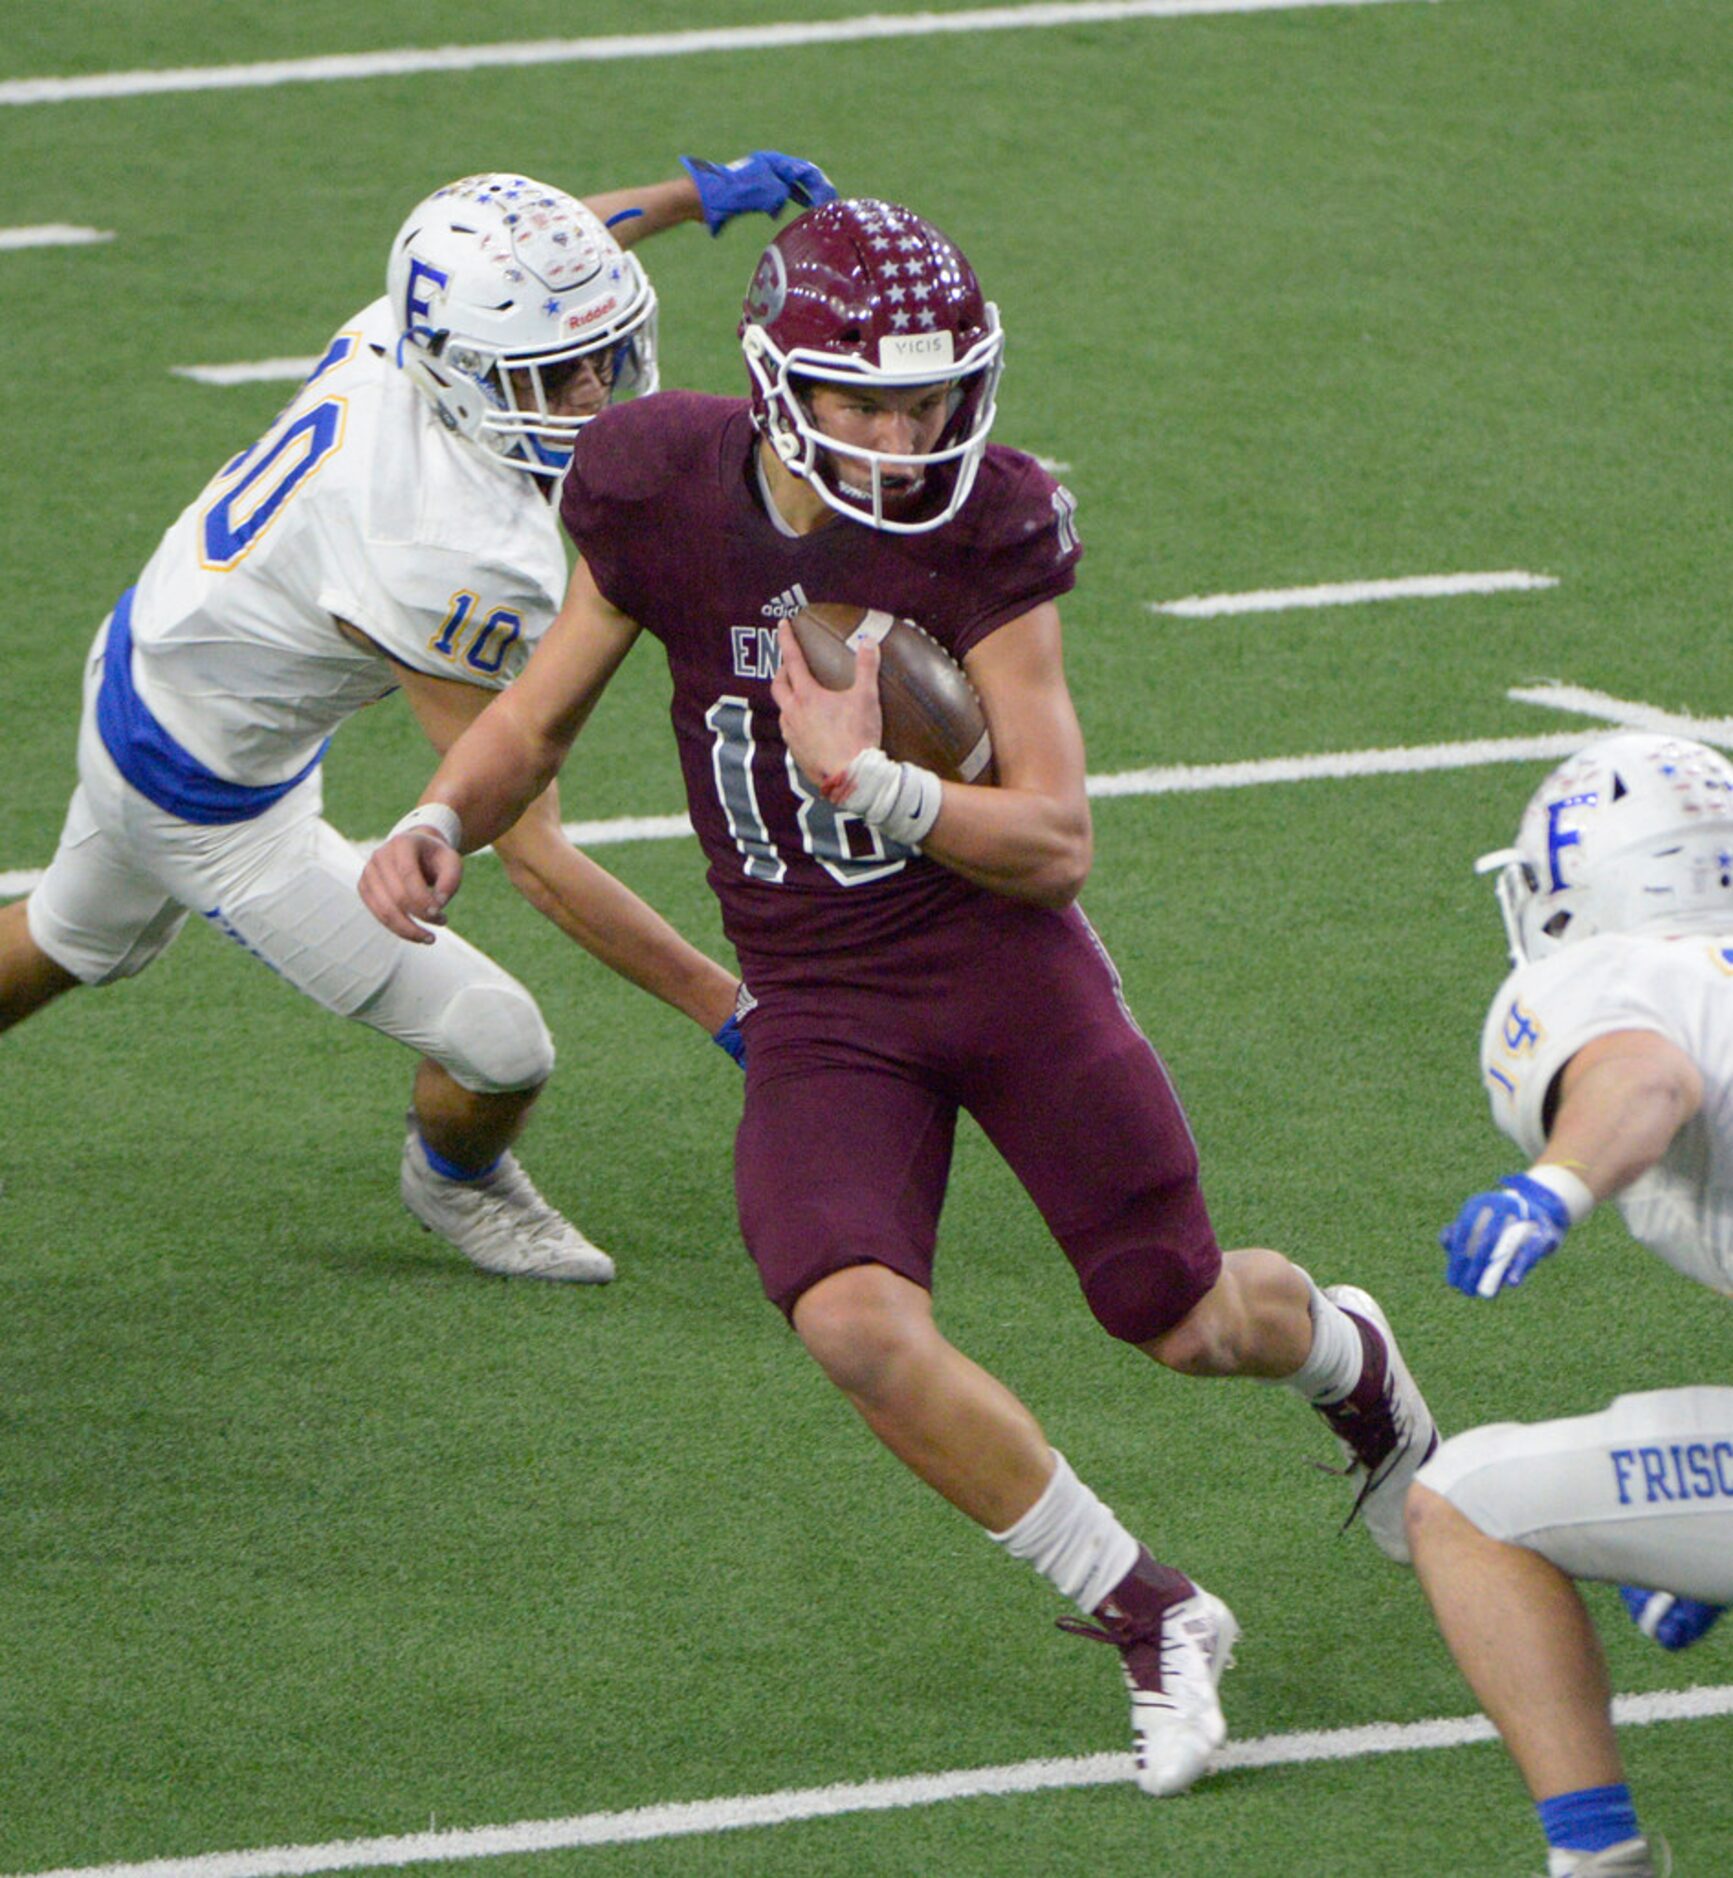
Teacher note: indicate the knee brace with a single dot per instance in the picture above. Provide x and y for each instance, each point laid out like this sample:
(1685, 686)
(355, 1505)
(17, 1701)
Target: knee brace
(493, 1041)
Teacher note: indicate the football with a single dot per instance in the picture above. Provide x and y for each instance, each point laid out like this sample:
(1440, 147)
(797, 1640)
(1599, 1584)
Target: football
(932, 713)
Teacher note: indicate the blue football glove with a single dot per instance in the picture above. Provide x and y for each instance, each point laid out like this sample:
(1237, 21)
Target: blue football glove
(1674, 1623)
(732, 1039)
(1498, 1238)
(761, 183)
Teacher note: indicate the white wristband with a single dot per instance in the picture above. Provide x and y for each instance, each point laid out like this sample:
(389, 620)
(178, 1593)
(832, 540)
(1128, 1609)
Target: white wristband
(902, 799)
(438, 818)
(1572, 1189)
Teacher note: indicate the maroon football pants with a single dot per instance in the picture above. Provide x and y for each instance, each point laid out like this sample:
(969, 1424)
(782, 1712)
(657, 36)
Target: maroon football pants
(855, 1074)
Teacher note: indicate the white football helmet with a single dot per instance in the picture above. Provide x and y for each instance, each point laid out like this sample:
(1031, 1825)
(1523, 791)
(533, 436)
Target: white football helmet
(1633, 834)
(503, 288)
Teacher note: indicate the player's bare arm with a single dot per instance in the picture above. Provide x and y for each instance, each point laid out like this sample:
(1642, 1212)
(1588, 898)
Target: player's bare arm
(507, 757)
(712, 193)
(1623, 1098)
(633, 215)
(609, 920)
(563, 884)
(1029, 836)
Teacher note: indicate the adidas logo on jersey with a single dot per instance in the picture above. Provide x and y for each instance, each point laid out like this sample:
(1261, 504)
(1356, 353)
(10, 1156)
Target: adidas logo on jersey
(786, 604)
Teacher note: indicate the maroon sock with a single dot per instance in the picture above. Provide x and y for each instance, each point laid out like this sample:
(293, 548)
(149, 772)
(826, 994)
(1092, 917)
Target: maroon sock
(1146, 1591)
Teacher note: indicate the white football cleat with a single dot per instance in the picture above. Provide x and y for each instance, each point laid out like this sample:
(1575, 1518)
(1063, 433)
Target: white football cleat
(1177, 1726)
(500, 1223)
(1630, 1858)
(1173, 1658)
(1386, 1429)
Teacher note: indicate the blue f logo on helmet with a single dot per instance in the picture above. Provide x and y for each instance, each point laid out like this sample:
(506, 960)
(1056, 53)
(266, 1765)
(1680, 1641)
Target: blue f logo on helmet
(417, 305)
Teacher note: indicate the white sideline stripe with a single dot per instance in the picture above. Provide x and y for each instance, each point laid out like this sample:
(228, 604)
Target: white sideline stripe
(1199, 778)
(53, 235)
(259, 372)
(868, 1796)
(1350, 593)
(634, 46)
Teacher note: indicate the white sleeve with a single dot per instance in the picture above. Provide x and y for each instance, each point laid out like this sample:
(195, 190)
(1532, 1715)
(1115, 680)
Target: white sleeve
(452, 565)
(1547, 1010)
(443, 613)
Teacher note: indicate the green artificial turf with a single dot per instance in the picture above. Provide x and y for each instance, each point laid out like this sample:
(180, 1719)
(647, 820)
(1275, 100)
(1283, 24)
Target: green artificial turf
(308, 1532)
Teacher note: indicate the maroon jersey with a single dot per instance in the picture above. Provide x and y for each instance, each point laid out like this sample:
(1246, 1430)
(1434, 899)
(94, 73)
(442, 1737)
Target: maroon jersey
(664, 503)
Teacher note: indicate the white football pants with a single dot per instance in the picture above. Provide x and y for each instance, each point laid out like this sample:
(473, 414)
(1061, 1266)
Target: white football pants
(1640, 1493)
(283, 886)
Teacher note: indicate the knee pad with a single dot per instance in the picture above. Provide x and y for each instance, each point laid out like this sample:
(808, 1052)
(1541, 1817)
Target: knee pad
(1140, 1293)
(1144, 1268)
(493, 1041)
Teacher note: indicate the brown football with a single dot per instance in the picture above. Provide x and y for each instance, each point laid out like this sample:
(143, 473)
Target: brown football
(932, 714)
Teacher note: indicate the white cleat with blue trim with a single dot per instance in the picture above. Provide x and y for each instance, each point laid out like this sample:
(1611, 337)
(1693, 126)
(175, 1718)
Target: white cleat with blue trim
(500, 1223)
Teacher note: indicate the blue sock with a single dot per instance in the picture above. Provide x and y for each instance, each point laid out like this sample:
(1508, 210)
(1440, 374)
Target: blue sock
(1589, 1820)
(449, 1170)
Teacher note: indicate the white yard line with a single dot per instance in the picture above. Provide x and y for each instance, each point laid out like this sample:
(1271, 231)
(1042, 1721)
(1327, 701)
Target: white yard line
(635, 46)
(258, 372)
(868, 1796)
(1350, 593)
(1335, 765)
(53, 235)
(1201, 778)
(1580, 702)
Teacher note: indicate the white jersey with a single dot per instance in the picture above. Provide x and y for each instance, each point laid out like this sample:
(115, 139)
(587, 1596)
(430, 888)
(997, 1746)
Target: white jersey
(355, 505)
(1680, 987)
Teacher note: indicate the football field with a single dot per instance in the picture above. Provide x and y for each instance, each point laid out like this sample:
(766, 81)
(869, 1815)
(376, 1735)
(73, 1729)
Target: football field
(1386, 348)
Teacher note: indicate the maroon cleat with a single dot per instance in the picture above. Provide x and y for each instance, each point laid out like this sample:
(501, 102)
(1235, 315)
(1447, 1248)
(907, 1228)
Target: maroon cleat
(1385, 1428)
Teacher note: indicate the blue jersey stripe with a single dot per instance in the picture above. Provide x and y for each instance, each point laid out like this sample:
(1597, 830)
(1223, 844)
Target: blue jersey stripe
(159, 768)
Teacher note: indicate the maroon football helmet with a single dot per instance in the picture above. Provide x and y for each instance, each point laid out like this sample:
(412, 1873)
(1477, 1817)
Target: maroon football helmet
(866, 292)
